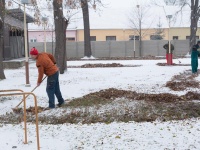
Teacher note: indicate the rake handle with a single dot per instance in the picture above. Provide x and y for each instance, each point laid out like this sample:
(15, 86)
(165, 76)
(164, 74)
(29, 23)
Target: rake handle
(31, 91)
(26, 96)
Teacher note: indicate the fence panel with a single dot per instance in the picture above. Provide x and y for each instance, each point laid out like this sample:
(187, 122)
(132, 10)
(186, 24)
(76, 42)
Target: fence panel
(118, 48)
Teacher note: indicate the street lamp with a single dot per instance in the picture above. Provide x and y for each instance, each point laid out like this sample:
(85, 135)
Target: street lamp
(134, 45)
(44, 22)
(52, 39)
(169, 60)
(140, 29)
(25, 44)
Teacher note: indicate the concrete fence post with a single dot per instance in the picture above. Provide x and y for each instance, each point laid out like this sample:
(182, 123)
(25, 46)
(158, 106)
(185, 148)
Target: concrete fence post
(109, 43)
(125, 49)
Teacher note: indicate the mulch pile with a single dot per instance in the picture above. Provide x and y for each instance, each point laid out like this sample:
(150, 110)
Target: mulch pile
(29, 110)
(102, 65)
(183, 81)
(112, 93)
(174, 64)
(118, 58)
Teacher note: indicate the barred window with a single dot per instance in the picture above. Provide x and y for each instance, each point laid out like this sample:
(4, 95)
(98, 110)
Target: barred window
(110, 38)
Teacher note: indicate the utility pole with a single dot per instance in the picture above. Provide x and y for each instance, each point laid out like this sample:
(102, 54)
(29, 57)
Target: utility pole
(25, 44)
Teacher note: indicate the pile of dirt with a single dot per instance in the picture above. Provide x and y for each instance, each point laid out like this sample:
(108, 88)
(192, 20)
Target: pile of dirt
(112, 94)
(183, 81)
(29, 110)
(174, 64)
(103, 65)
(149, 57)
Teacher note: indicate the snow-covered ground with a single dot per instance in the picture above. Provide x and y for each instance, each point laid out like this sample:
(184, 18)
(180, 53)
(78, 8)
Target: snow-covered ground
(76, 82)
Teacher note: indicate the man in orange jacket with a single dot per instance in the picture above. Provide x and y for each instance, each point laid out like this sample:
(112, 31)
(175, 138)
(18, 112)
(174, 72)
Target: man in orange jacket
(46, 64)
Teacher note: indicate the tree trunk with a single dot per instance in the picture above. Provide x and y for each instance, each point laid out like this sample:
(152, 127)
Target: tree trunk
(86, 22)
(140, 38)
(61, 24)
(194, 20)
(2, 12)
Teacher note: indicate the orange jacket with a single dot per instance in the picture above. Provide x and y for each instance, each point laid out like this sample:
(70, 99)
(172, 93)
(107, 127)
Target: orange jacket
(45, 63)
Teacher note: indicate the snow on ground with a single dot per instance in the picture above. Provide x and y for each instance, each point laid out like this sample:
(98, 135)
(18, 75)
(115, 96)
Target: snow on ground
(76, 82)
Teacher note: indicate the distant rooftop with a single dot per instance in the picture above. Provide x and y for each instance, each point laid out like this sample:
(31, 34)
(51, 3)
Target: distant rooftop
(19, 14)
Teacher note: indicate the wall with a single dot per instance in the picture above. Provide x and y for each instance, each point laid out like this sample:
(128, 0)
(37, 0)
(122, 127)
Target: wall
(121, 34)
(181, 32)
(50, 36)
(119, 48)
(102, 33)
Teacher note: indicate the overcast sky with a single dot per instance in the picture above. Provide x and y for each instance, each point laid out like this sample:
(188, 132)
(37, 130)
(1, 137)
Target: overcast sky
(116, 15)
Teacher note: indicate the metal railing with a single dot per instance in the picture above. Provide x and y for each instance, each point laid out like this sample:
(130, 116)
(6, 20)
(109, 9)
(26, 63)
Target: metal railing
(36, 111)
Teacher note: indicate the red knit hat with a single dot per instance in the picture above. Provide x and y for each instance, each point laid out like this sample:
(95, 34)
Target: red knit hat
(34, 51)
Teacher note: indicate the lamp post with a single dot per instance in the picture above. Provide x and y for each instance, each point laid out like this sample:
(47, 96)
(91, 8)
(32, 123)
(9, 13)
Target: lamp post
(25, 44)
(44, 20)
(169, 60)
(140, 29)
(134, 45)
(52, 40)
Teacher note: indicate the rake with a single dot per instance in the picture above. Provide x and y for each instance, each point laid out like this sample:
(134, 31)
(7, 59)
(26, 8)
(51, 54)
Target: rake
(14, 109)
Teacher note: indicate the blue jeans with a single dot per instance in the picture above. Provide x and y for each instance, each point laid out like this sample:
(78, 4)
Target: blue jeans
(53, 88)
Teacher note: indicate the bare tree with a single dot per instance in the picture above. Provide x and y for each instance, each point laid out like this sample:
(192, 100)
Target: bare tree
(61, 24)
(86, 22)
(137, 20)
(2, 14)
(194, 17)
(159, 32)
(85, 5)
(194, 14)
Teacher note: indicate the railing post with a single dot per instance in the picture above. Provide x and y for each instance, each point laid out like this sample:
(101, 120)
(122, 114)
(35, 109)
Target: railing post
(36, 112)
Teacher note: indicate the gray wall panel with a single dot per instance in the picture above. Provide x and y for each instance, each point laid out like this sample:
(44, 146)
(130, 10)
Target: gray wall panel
(119, 48)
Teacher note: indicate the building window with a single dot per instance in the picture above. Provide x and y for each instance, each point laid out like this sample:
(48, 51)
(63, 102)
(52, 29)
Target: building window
(33, 40)
(110, 38)
(16, 32)
(175, 37)
(70, 39)
(92, 38)
(131, 37)
(188, 37)
(156, 37)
